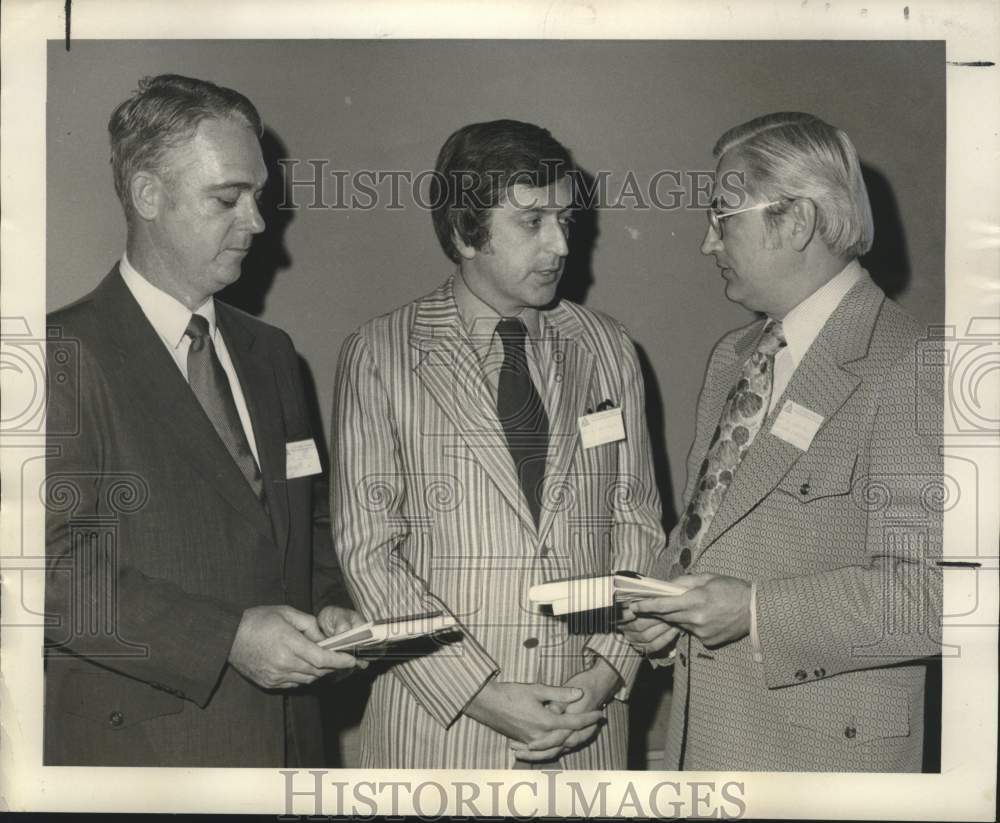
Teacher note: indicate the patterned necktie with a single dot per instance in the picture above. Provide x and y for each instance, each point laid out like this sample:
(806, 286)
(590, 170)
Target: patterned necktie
(742, 416)
(211, 386)
(522, 415)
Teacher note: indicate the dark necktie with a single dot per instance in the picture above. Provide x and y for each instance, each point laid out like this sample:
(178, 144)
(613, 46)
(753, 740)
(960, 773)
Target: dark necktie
(522, 415)
(211, 386)
(741, 420)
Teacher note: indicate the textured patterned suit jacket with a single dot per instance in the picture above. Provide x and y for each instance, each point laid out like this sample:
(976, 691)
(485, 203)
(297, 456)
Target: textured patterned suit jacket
(156, 544)
(427, 509)
(842, 540)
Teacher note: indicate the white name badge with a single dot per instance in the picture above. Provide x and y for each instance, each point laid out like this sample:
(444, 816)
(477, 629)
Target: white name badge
(301, 459)
(797, 425)
(601, 427)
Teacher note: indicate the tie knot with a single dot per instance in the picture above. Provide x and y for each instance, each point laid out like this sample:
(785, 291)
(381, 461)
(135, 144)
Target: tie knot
(197, 329)
(772, 338)
(512, 332)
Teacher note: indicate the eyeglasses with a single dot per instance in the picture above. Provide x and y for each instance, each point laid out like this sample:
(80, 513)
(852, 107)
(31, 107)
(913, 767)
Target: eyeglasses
(715, 216)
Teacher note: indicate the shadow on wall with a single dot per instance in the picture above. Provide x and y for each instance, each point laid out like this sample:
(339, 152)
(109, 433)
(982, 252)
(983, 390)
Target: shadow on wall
(888, 262)
(268, 254)
(578, 274)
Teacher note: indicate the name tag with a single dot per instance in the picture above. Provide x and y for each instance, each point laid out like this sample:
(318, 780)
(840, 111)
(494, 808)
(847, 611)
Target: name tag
(301, 459)
(797, 425)
(601, 427)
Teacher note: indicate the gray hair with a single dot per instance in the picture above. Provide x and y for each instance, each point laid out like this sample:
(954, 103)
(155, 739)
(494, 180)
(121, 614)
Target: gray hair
(791, 155)
(164, 113)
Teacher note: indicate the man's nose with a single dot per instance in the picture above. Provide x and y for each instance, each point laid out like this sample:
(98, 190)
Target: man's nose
(712, 242)
(254, 219)
(558, 244)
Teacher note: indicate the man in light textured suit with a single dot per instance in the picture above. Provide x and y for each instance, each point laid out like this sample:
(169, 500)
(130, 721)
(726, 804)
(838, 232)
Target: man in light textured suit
(459, 478)
(179, 612)
(813, 504)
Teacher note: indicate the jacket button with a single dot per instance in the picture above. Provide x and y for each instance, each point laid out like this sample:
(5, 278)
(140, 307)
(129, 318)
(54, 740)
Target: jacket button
(530, 643)
(850, 732)
(544, 551)
(683, 658)
(801, 674)
(116, 719)
(804, 489)
(820, 672)
(686, 558)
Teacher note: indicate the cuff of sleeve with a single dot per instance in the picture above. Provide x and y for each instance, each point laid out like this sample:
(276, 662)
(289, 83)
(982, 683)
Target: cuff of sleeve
(447, 681)
(619, 655)
(758, 652)
(666, 660)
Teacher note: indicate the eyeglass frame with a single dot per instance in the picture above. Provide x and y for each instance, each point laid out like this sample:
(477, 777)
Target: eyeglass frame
(715, 217)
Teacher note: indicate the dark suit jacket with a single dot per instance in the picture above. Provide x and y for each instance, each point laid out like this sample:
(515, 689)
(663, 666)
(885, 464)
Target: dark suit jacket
(156, 544)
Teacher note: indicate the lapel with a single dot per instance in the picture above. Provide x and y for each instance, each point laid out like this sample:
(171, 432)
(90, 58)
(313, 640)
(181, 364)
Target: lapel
(822, 382)
(569, 365)
(173, 412)
(449, 369)
(260, 390)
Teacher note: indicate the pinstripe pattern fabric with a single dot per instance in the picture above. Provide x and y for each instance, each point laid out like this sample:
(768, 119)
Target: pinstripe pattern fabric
(841, 540)
(427, 510)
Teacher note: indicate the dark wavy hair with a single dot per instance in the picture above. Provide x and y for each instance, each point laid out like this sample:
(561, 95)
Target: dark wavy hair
(475, 168)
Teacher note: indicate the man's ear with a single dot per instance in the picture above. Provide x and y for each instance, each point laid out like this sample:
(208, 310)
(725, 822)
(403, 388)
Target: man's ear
(464, 249)
(148, 194)
(803, 223)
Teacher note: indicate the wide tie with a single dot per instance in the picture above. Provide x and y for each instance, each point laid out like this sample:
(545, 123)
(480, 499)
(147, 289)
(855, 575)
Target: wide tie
(522, 415)
(211, 386)
(742, 417)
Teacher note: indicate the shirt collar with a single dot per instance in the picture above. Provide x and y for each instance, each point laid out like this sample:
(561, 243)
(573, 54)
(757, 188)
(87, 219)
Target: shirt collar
(480, 319)
(167, 315)
(803, 324)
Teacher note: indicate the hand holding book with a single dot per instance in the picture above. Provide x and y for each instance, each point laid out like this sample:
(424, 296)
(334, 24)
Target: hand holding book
(373, 637)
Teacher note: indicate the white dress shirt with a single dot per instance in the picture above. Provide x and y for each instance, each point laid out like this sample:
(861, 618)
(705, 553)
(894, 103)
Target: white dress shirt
(480, 322)
(169, 318)
(803, 324)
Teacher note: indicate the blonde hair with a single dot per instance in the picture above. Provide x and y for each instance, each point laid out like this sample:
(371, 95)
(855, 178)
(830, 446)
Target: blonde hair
(791, 155)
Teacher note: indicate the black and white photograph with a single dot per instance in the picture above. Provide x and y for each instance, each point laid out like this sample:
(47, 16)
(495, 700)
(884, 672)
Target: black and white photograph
(568, 409)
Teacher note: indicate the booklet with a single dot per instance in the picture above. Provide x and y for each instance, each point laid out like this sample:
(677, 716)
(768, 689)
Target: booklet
(378, 633)
(589, 593)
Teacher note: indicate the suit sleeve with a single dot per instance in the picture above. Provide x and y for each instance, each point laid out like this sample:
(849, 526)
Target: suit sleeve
(887, 609)
(99, 606)
(370, 535)
(637, 538)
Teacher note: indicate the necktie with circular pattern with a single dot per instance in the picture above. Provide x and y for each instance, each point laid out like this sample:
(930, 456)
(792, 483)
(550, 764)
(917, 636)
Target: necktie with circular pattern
(741, 420)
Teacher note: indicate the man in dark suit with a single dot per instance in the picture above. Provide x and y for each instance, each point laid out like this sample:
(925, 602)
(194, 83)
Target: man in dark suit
(812, 526)
(180, 627)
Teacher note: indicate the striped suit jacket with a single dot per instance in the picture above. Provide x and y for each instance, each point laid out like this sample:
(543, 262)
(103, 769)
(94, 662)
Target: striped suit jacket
(842, 540)
(427, 510)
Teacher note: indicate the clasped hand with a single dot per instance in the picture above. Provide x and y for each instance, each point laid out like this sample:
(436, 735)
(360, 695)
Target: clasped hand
(715, 609)
(545, 721)
(275, 646)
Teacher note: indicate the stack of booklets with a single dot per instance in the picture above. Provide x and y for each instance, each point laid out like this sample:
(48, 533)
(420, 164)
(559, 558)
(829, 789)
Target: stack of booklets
(589, 593)
(374, 636)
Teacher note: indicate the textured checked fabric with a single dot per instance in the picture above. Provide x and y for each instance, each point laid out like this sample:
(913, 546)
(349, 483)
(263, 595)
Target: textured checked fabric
(522, 414)
(211, 386)
(742, 416)
(427, 510)
(842, 540)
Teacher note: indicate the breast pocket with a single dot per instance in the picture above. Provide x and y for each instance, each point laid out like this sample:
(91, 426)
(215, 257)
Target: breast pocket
(816, 477)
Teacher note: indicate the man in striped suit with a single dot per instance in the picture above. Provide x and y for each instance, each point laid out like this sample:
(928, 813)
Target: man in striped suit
(460, 478)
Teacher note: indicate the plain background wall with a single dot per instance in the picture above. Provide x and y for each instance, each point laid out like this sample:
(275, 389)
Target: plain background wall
(620, 106)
